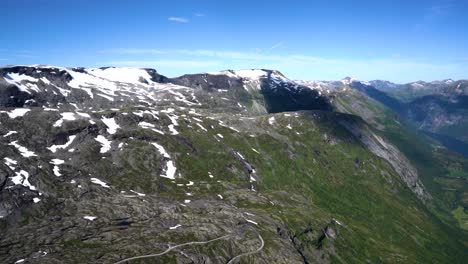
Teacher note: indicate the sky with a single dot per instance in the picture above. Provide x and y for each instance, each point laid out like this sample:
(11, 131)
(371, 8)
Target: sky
(400, 41)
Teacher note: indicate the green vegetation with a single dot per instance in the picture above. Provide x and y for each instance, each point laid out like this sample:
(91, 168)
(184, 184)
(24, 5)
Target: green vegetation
(462, 216)
(308, 181)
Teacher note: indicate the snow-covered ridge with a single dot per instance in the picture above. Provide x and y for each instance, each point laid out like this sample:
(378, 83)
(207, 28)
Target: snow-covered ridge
(315, 84)
(348, 80)
(110, 83)
(105, 87)
(26, 77)
(251, 74)
(127, 75)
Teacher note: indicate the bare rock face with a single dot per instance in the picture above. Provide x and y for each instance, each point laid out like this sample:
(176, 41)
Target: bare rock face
(392, 155)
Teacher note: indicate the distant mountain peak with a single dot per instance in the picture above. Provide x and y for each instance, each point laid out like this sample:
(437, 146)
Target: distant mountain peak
(348, 80)
(252, 74)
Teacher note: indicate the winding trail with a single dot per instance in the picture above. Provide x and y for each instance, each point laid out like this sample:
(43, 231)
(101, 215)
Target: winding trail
(249, 253)
(174, 247)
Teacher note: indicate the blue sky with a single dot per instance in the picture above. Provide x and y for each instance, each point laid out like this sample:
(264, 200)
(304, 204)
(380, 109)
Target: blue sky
(401, 41)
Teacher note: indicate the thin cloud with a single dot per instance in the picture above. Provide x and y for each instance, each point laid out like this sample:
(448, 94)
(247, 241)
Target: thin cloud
(178, 19)
(436, 11)
(431, 15)
(134, 51)
(199, 15)
(234, 55)
(293, 65)
(27, 56)
(277, 45)
(175, 64)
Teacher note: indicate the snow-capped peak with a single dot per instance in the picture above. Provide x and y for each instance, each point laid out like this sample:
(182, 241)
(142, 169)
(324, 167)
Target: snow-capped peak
(348, 80)
(126, 75)
(251, 74)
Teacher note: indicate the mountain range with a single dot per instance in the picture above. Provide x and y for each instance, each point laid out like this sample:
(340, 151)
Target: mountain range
(438, 108)
(112, 165)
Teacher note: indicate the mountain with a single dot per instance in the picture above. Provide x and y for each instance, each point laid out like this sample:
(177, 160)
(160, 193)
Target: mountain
(411, 91)
(385, 86)
(108, 165)
(442, 171)
(439, 108)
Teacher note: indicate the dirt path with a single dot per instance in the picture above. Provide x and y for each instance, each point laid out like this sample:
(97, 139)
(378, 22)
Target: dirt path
(249, 253)
(173, 247)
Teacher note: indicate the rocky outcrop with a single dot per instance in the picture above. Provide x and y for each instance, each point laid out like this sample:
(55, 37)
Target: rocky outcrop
(391, 154)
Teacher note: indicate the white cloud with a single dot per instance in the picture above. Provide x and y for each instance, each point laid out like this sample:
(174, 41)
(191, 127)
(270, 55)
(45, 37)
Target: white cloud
(177, 64)
(295, 66)
(235, 55)
(178, 19)
(134, 51)
(199, 15)
(276, 59)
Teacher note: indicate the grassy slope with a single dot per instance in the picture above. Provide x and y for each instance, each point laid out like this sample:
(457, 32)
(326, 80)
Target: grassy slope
(437, 168)
(310, 182)
(305, 179)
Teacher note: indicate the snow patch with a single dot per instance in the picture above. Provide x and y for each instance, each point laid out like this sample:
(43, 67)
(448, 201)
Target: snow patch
(23, 151)
(106, 144)
(22, 178)
(89, 218)
(83, 114)
(145, 125)
(175, 227)
(271, 120)
(111, 125)
(202, 127)
(250, 221)
(19, 79)
(11, 163)
(54, 148)
(137, 193)
(126, 75)
(240, 155)
(10, 133)
(67, 116)
(16, 112)
(173, 130)
(56, 169)
(251, 74)
(106, 96)
(99, 182)
(171, 169)
(57, 161)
